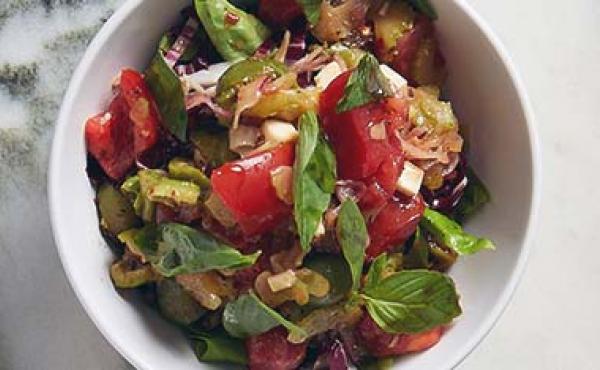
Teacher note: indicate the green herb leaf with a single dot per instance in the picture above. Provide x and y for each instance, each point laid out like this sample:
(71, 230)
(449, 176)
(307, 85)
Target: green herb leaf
(367, 84)
(353, 238)
(186, 250)
(312, 10)
(217, 346)
(425, 7)
(412, 301)
(234, 33)
(418, 253)
(451, 234)
(248, 316)
(175, 249)
(168, 94)
(375, 274)
(314, 178)
(475, 196)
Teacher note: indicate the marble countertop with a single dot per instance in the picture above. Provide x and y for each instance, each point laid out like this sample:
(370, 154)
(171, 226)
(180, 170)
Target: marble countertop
(553, 320)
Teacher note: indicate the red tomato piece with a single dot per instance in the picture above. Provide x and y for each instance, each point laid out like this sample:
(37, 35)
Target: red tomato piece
(360, 145)
(382, 344)
(394, 224)
(108, 138)
(245, 188)
(279, 12)
(142, 109)
(272, 351)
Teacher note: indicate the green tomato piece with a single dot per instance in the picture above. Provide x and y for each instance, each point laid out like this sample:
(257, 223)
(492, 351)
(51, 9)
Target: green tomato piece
(234, 33)
(336, 270)
(242, 73)
(125, 278)
(115, 210)
(175, 304)
(182, 169)
(157, 187)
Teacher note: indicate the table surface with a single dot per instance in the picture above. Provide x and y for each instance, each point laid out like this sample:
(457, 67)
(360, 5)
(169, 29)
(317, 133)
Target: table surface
(552, 322)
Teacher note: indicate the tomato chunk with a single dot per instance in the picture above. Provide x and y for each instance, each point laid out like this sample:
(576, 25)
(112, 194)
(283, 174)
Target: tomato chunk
(142, 109)
(279, 12)
(382, 344)
(108, 138)
(363, 138)
(245, 188)
(394, 224)
(272, 351)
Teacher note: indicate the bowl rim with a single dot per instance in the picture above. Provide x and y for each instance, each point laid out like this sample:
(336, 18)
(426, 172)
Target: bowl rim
(122, 14)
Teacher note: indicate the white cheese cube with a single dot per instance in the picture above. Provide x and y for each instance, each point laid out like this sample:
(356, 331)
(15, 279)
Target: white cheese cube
(410, 179)
(328, 74)
(397, 82)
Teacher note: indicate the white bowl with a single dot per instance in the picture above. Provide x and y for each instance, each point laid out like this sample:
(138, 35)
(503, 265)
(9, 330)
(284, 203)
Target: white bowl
(486, 93)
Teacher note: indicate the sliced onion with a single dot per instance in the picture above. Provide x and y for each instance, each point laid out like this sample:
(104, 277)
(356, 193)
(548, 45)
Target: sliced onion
(219, 211)
(208, 77)
(182, 42)
(282, 181)
(247, 97)
(243, 139)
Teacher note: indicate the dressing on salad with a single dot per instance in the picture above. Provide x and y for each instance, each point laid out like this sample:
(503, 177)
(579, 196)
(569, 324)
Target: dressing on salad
(286, 183)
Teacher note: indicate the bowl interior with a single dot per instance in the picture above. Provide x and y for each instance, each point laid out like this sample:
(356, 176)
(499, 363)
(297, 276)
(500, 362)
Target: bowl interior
(487, 100)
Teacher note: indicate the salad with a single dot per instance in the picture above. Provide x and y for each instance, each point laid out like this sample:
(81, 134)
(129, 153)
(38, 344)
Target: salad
(286, 183)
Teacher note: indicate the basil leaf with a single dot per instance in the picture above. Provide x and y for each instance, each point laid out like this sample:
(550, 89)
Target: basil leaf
(248, 316)
(312, 10)
(314, 178)
(412, 301)
(451, 234)
(175, 249)
(218, 347)
(185, 250)
(353, 238)
(374, 276)
(418, 254)
(367, 84)
(474, 197)
(234, 33)
(424, 6)
(168, 94)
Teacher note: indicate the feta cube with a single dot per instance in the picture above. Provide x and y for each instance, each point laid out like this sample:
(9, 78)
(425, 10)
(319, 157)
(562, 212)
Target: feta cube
(328, 74)
(410, 179)
(397, 82)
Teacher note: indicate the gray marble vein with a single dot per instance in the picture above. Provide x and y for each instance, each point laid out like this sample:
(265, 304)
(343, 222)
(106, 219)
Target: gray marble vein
(42, 326)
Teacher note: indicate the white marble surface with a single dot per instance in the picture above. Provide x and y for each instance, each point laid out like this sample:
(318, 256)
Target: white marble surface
(553, 319)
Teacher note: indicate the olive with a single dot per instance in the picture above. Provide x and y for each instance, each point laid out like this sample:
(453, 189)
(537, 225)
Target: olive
(175, 304)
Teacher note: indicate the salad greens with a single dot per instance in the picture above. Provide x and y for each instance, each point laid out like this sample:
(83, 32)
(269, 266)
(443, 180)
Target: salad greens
(166, 88)
(248, 316)
(256, 216)
(367, 84)
(353, 238)
(175, 249)
(452, 235)
(475, 196)
(412, 301)
(312, 10)
(234, 33)
(314, 178)
(218, 346)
